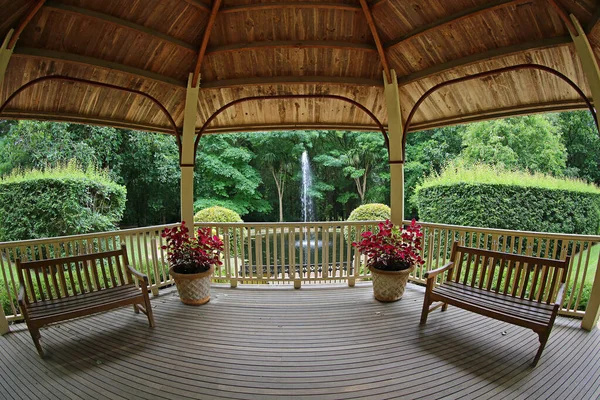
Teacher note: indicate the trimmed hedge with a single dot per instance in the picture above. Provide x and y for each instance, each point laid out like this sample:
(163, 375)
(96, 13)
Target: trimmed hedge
(58, 202)
(549, 206)
(217, 214)
(371, 212)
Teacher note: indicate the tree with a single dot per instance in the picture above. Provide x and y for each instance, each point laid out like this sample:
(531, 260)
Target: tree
(360, 156)
(279, 152)
(225, 177)
(580, 137)
(532, 142)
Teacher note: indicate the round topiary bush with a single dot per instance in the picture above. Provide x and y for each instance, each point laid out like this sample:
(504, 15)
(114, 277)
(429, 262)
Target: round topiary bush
(368, 212)
(371, 212)
(217, 214)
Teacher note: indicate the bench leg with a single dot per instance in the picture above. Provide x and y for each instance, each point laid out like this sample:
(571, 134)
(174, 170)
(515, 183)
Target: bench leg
(35, 335)
(425, 311)
(543, 340)
(136, 309)
(444, 307)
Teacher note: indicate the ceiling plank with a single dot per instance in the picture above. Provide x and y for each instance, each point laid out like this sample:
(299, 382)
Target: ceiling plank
(454, 18)
(64, 8)
(211, 22)
(487, 55)
(594, 21)
(94, 62)
(292, 44)
(292, 80)
(198, 4)
(375, 34)
(19, 29)
(563, 16)
(295, 5)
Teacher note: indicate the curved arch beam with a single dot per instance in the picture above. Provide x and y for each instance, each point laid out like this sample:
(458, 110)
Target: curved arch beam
(292, 96)
(98, 84)
(483, 75)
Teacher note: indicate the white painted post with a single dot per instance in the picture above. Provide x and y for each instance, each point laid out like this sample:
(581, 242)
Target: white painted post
(392, 100)
(589, 63)
(187, 154)
(5, 54)
(4, 329)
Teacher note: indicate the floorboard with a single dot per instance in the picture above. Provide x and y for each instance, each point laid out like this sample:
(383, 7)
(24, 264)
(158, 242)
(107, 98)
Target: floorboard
(318, 342)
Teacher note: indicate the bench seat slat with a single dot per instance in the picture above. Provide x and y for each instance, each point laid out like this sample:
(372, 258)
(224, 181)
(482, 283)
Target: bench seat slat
(513, 309)
(82, 298)
(525, 304)
(99, 301)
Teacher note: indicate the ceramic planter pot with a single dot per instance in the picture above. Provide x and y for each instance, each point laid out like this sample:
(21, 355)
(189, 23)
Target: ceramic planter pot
(194, 289)
(389, 285)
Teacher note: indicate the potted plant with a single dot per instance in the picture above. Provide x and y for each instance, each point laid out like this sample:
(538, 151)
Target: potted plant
(192, 262)
(392, 254)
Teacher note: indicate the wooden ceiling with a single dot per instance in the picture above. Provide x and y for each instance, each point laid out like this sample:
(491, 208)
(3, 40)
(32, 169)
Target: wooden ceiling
(269, 47)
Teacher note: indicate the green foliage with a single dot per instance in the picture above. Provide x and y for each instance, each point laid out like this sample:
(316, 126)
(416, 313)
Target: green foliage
(224, 175)
(367, 212)
(580, 137)
(56, 202)
(371, 212)
(217, 214)
(492, 197)
(532, 142)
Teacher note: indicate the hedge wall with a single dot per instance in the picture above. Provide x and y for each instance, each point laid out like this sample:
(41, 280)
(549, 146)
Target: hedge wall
(510, 207)
(58, 202)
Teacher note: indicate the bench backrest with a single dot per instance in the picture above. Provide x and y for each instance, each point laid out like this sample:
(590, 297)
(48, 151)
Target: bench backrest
(57, 278)
(526, 277)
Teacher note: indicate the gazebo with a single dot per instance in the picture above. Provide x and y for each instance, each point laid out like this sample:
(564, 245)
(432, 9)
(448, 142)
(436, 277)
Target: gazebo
(189, 68)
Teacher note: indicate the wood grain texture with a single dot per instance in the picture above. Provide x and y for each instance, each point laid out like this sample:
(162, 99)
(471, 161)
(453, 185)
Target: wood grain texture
(325, 343)
(260, 47)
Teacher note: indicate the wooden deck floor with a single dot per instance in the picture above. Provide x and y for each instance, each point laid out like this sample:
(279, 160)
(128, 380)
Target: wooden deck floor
(325, 343)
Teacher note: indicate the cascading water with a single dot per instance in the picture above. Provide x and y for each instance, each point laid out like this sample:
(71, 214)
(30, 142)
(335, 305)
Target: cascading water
(308, 212)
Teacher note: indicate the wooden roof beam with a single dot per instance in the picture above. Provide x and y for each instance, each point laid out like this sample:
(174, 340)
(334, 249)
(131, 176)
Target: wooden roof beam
(593, 22)
(292, 80)
(95, 62)
(78, 11)
(292, 44)
(295, 5)
(375, 34)
(564, 16)
(454, 18)
(24, 23)
(487, 55)
(211, 22)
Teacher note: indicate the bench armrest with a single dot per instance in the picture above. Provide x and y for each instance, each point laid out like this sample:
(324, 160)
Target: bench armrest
(138, 274)
(436, 272)
(560, 295)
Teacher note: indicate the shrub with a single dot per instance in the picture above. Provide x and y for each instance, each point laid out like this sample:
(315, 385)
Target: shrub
(217, 214)
(371, 212)
(368, 212)
(57, 202)
(492, 197)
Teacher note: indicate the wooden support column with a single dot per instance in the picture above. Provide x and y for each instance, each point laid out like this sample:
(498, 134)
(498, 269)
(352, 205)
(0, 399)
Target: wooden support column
(392, 100)
(589, 64)
(187, 157)
(5, 53)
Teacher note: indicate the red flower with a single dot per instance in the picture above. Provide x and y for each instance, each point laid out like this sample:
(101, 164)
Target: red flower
(390, 247)
(202, 251)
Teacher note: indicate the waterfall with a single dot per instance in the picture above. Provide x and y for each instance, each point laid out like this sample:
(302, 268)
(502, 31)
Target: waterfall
(308, 212)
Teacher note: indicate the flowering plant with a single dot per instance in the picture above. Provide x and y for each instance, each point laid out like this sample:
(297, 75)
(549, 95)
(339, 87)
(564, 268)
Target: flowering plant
(191, 255)
(392, 248)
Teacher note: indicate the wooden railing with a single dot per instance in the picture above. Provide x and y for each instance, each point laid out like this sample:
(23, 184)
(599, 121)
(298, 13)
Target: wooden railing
(307, 253)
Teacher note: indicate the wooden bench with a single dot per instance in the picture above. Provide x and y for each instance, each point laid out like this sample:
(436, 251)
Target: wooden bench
(521, 290)
(58, 289)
